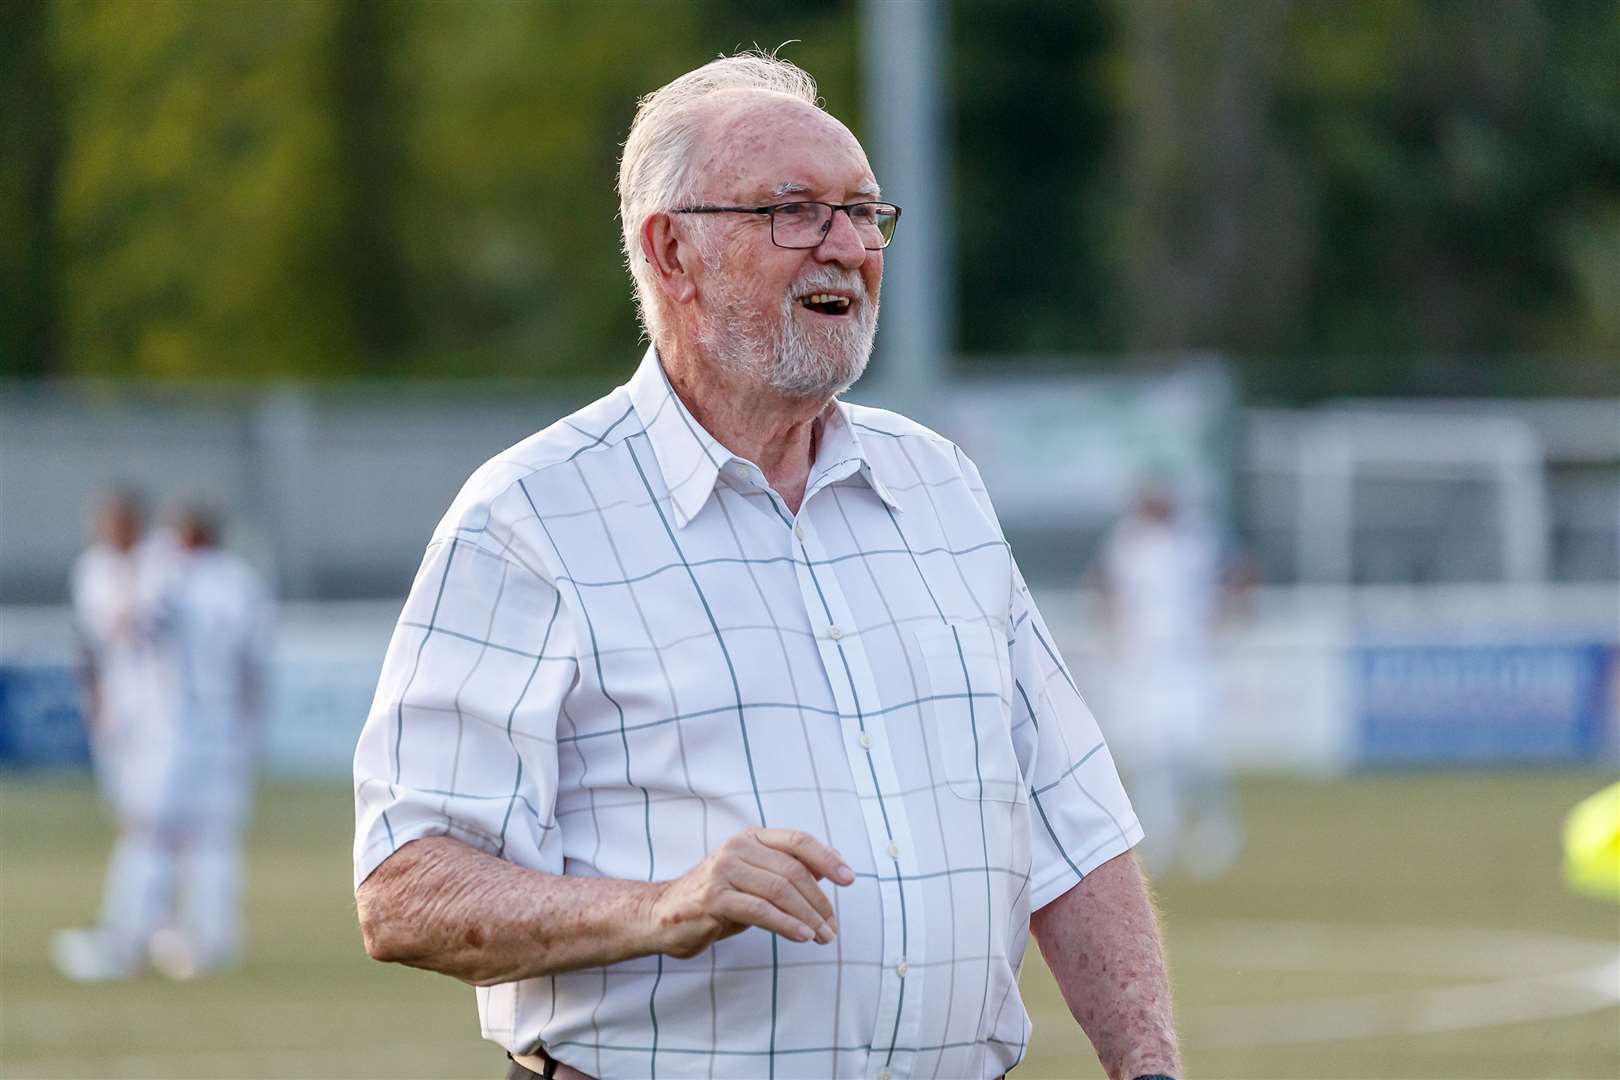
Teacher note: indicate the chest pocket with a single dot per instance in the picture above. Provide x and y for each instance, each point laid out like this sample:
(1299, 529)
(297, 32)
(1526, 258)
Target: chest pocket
(967, 713)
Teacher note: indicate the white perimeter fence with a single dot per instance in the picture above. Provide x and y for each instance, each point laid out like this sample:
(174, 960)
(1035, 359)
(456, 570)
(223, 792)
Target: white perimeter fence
(334, 490)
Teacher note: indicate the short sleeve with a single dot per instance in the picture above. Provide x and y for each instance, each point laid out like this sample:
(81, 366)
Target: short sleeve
(1079, 814)
(461, 737)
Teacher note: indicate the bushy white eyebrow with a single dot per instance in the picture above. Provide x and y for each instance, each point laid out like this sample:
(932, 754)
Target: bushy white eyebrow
(793, 187)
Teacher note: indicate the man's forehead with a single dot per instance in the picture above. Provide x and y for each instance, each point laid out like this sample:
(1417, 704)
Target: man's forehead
(768, 145)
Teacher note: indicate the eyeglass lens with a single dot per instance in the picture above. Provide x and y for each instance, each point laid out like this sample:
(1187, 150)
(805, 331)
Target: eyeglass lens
(803, 225)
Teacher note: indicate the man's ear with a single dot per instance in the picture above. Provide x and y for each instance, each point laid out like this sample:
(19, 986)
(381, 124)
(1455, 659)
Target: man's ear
(673, 257)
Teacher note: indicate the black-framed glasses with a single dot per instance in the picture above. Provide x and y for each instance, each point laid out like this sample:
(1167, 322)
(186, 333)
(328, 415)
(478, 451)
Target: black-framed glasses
(799, 225)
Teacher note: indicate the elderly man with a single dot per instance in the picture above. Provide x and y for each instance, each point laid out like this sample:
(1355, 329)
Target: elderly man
(677, 660)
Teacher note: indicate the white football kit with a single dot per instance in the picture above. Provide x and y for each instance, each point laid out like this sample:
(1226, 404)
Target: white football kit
(1165, 581)
(177, 640)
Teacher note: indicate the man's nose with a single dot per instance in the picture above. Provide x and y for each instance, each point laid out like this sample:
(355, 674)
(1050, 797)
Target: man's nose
(842, 242)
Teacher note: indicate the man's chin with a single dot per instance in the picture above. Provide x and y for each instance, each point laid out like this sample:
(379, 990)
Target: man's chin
(852, 375)
(824, 384)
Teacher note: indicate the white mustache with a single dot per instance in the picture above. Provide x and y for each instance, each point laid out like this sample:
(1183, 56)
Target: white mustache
(826, 281)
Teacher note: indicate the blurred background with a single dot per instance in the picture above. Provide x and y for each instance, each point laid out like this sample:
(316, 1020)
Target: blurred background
(1339, 281)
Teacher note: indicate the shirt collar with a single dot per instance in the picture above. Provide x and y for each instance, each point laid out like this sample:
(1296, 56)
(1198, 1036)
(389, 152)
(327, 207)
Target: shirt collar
(840, 453)
(691, 459)
(688, 456)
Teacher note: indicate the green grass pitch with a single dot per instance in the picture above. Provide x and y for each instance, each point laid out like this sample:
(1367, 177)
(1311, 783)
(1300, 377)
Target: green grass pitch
(1383, 926)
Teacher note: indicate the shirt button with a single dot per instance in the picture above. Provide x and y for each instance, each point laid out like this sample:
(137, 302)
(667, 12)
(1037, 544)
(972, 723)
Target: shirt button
(798, 530)
(884, 1075)
(866, 741)
(902, 968)
(834, 633)
(742, 472)
(894, 853)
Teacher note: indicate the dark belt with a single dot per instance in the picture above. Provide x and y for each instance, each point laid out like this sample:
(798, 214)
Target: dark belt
(523, 1072)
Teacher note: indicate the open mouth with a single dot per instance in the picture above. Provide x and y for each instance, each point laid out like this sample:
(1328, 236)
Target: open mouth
(826, 303)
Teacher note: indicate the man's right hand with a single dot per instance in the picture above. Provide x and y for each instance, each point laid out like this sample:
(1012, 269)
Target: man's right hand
(759, 877)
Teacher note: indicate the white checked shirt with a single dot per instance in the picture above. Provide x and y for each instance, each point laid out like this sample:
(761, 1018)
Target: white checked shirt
(622, 648)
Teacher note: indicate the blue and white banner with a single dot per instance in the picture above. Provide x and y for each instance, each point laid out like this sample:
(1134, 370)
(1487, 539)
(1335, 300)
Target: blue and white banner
(40, 723)
(1482, 704)
(313, 716)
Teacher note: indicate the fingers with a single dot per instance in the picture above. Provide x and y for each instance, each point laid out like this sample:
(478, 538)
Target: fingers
(749, 910)
(773, 862)
(822, 860)
(765, 878)
(786, 899)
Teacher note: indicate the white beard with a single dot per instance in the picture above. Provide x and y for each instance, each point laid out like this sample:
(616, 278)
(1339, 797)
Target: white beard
(806, 365)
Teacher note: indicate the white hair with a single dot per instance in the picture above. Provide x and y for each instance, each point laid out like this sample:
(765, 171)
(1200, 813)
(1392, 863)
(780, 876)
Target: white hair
(659, 168)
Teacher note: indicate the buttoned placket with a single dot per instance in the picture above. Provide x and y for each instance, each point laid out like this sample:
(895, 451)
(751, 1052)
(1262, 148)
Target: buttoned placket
(863, 718)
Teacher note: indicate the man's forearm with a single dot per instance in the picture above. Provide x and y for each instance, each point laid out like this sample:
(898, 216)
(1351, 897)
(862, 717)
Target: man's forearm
(439, 904)
(1101, 942)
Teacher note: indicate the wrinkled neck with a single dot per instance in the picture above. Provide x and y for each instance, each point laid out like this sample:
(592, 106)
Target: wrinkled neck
(754, 422)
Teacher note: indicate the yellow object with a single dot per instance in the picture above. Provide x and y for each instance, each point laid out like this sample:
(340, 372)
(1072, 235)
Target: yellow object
(1592, 845)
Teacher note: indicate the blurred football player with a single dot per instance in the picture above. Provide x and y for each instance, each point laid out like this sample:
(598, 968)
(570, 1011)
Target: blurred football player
(1161, 572)
(114, 586)
(175, 635)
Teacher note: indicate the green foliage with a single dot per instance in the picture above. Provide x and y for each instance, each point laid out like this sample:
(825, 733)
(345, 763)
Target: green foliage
(1033, 133)
(195, 228)
(30, 135)
(511, 119)
(1395, 197)
(1464, 162)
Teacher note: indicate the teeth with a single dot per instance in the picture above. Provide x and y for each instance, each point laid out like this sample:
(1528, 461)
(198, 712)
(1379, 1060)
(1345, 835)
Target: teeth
(826, 298)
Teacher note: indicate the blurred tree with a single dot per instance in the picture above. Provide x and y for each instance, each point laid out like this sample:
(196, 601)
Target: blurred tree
(505, 199)
(1410, 196)
(367, 131)
(1406, 197)
(1033, 131)
(31, 136)
(1465, 160)
(197, 227)
(1209, 239)
(514, 115)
